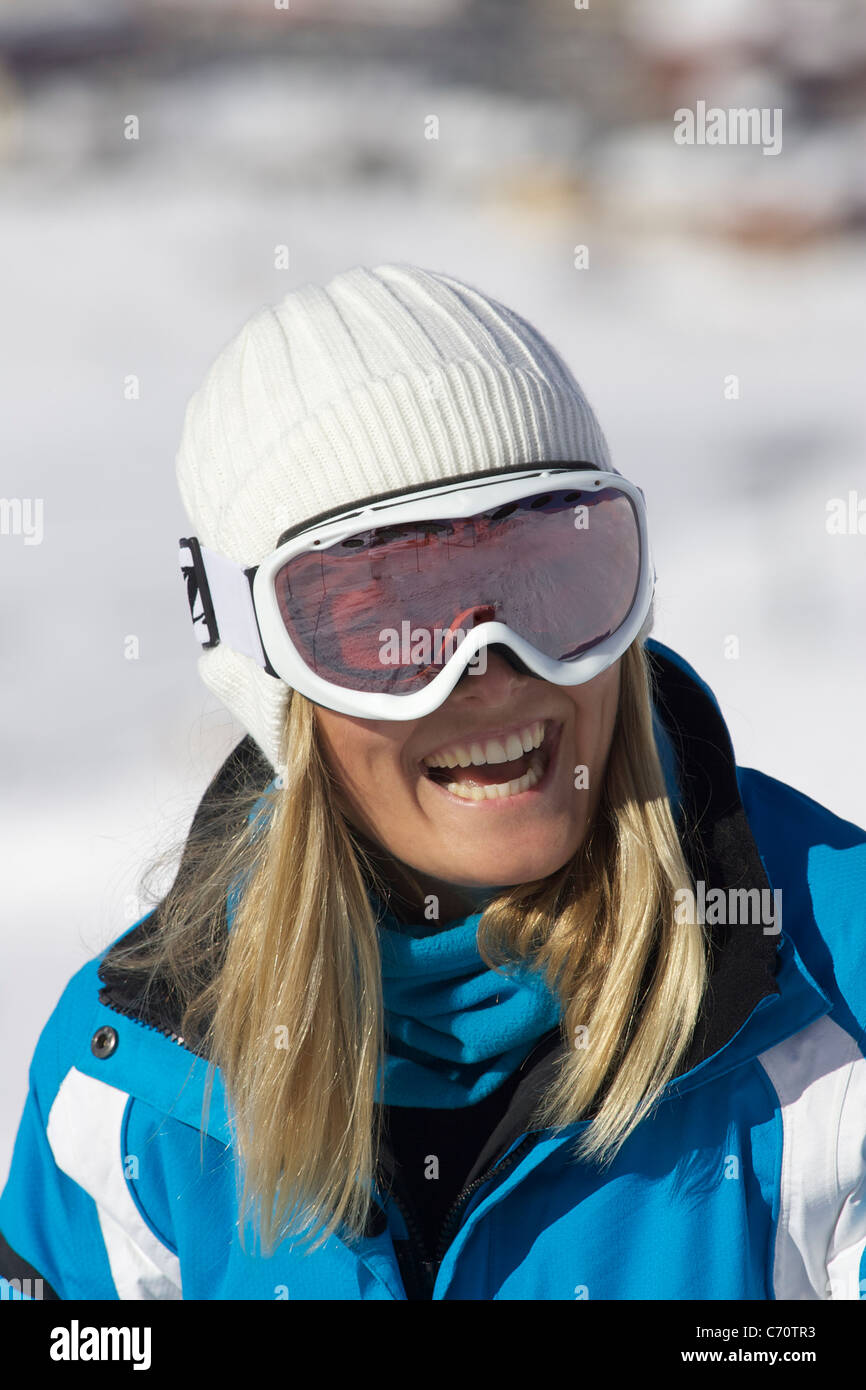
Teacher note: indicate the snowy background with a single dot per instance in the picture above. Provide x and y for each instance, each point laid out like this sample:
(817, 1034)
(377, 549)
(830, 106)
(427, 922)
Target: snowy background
(305, 129)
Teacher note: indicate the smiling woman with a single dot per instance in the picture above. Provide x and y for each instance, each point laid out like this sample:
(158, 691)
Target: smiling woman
(423, 1014)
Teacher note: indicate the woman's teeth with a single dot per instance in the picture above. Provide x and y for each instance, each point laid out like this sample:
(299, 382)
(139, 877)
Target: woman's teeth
(493, 790)
(492, 750)
(514, 748)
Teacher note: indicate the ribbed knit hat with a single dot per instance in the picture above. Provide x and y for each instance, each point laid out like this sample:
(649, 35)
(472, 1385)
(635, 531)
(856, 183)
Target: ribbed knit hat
(383, 378)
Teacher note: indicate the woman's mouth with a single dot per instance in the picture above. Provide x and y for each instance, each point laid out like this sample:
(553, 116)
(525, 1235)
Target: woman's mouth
(495, 769)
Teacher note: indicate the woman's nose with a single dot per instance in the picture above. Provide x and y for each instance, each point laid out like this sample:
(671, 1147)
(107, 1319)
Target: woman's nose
(494, 679)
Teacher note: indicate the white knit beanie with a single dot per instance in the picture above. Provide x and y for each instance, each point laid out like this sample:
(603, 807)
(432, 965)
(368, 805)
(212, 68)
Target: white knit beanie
(383, 378)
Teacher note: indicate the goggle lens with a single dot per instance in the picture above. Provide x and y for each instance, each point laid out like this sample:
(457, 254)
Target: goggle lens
(382, 610)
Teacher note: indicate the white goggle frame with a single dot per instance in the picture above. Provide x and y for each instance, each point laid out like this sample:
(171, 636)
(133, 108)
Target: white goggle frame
(240, 606)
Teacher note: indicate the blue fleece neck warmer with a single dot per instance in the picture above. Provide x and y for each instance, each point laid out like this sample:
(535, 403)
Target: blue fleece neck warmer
(455, 1029)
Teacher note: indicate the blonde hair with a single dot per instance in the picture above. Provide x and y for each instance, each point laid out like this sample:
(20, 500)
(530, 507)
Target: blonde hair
(290, 1006)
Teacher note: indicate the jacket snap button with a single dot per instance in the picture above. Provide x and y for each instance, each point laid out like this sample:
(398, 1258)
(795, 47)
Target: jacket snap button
(103, 1042)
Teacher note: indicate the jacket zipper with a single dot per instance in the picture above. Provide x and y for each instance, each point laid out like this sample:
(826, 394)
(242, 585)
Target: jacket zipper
(154, 1027)
(423, 1268)
(452, 1220)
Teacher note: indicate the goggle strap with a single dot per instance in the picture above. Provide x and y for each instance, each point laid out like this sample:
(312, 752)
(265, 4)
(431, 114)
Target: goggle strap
(225, 590)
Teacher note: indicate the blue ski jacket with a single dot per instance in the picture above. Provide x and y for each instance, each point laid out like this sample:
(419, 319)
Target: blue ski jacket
(746, 1181)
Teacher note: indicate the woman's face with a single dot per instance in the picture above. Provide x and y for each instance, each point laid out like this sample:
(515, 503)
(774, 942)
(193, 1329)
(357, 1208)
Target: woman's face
(439, 819)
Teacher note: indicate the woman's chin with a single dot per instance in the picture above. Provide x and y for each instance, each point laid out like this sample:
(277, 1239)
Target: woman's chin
(477, 844)
(523, 864)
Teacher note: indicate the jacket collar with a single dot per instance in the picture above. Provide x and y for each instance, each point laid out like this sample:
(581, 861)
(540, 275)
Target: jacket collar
(749, 970)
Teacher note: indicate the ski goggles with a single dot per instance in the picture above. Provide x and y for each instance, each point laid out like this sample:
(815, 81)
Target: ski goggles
(380, 610)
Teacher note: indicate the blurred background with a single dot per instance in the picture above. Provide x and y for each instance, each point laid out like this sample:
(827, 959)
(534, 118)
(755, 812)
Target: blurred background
(169, 166)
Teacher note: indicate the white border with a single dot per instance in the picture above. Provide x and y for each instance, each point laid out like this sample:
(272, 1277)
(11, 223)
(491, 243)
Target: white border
(84, 1132)
(819, 1076)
